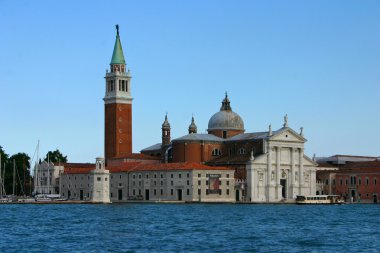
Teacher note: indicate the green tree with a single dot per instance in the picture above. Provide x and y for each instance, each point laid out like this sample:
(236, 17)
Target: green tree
(56, 157)
(17, 167)
(4, 160)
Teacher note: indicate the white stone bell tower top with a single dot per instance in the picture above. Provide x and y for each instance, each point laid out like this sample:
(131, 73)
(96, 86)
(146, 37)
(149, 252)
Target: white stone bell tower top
(100, 182)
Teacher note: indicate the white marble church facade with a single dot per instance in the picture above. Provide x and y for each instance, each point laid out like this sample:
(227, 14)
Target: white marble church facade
(283, 171)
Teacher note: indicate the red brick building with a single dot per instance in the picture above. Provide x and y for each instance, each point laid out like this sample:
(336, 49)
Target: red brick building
(357, 182)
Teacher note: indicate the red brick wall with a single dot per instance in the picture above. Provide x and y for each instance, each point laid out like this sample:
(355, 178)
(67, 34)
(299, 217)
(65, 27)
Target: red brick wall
(363, 188)
(194, 151)
(118, 130)
(230, 133)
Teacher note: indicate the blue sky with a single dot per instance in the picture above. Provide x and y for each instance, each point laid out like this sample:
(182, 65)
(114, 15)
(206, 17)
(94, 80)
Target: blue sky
(317, 61)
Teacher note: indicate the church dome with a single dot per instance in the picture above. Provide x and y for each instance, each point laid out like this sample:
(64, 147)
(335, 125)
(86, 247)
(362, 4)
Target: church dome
(226, 119)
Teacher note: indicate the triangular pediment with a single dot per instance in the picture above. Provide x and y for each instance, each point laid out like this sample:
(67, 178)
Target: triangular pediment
(261, 159)
(307, 161)
(287, 134)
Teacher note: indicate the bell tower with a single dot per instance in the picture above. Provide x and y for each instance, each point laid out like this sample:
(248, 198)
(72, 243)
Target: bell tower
(118, 105)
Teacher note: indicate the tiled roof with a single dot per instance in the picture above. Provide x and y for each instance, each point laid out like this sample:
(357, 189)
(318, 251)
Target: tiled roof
(138, 166)
(78, 168)
(128, 167)
(361, 165)
(249, 136)
(326, 165)
(199, 137)
(152, 148)
(137, 156)
(355, 156)
(236, 159)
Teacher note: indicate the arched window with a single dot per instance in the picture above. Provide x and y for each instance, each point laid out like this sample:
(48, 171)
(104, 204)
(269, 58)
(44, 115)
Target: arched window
(216, 152)
(242, 151)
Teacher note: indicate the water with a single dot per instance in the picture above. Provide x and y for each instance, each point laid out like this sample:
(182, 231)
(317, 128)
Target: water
(189, 228)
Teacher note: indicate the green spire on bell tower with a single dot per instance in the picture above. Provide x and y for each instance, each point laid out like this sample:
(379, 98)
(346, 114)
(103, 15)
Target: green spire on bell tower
(117, 56)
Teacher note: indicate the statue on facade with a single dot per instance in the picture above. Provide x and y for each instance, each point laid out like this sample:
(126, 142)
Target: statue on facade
(286, 120)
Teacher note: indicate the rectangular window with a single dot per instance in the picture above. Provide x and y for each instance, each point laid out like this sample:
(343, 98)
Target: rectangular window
(188, 182)
(228, 175)
(171, 191)
(206, 191)
(199, 191)
(99, 179)
(171, 175)
(228, 182)
(120, 176)
(188, 174)
(133, 183)
(171, 183)
(188, 192)
(199, 175)
(105, 179)
(162, 175)
(154, 192)
(228, 191)
(162, 183)
(367, 181)
(199, 182)
(179, 175)
(134, 192)
(155, 183)
(139, 191)
(162, 192)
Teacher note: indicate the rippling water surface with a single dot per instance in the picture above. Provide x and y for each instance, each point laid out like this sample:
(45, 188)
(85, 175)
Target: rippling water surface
(189, 228)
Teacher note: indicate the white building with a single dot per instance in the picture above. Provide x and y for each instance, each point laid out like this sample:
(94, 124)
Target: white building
(283, 171)
(136, 181)
(46, 178)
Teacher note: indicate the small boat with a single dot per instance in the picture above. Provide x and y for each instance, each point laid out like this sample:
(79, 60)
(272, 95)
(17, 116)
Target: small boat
(319, 200)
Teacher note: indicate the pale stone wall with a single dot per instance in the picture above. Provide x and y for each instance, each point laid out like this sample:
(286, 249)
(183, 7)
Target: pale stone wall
(46, 180)
(283, 172)
(173, 185)
(100, 182)
(73, 186)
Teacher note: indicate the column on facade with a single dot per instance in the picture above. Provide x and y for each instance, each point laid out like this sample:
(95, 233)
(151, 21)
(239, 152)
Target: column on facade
(278, 172)
(251, 181)
(301, 176)
(293, 168)
(269, 172)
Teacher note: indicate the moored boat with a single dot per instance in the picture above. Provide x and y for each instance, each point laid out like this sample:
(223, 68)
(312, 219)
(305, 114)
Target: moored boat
(319, 200)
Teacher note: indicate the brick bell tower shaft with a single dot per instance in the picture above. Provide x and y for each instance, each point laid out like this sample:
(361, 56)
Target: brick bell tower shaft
(117, 105)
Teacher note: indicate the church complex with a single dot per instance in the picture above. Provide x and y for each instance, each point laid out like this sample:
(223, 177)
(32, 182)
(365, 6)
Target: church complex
(227, 164)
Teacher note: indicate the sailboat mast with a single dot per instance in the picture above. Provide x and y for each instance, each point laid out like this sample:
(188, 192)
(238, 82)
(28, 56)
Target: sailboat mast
(48, 175)
(14, 177)
(1, 181)
(4, 179)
